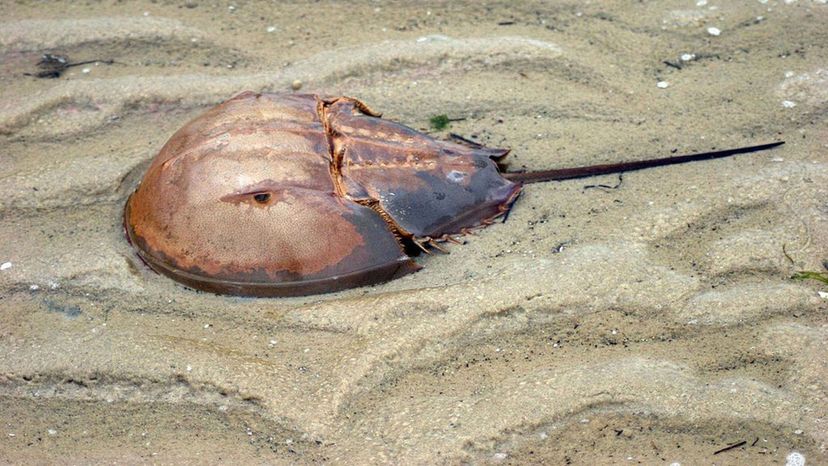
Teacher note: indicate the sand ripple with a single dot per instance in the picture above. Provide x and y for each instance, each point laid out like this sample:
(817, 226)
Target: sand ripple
(655, 321)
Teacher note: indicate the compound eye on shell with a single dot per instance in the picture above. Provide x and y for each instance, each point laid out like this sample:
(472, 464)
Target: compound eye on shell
(262, 198)
(255, 197)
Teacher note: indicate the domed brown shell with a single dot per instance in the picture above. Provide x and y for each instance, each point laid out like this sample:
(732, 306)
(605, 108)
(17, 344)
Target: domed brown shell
(295, 194)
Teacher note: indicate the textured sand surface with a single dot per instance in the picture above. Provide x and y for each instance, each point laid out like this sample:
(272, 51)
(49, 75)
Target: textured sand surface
(653, 323)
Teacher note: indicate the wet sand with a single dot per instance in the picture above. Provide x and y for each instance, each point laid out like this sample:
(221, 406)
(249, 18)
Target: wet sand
(653, 323)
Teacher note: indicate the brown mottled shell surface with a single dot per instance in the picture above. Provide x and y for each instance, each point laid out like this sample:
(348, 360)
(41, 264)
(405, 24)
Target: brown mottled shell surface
(286, 195)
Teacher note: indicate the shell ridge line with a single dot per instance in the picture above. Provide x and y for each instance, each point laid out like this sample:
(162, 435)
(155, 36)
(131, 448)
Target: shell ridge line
(338, 157)
(335, 159)
(203, 149)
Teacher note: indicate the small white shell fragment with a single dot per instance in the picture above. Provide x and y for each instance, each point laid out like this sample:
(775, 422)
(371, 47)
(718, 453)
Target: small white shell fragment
(795, 458)
(789, 74)
(271, 28)
(714, 31)
(823, 294)
(662, 84)
(788, 104)
(5, 266)
(86, 70)
(432, 38)
(687, 56)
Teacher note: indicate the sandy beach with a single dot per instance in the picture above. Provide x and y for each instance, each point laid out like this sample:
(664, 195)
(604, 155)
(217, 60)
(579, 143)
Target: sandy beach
(655, 322)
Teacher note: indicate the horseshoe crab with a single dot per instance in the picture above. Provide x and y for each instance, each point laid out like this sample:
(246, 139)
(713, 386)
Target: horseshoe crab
(296, 194)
